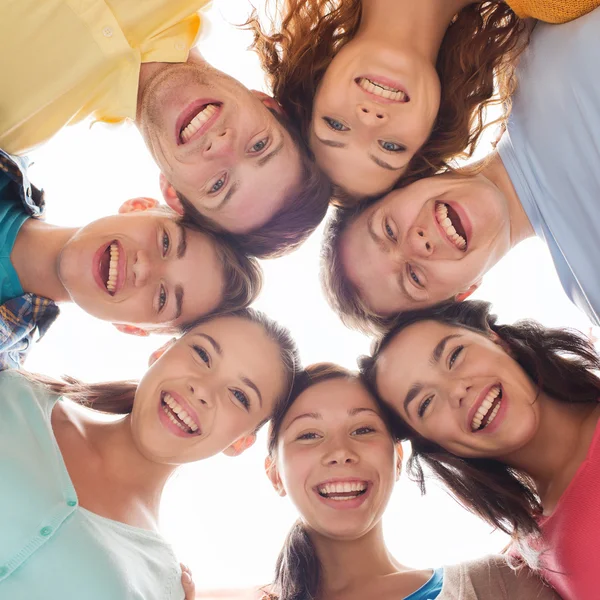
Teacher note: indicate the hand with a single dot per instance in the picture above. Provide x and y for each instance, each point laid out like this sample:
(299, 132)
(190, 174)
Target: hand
(187, 582)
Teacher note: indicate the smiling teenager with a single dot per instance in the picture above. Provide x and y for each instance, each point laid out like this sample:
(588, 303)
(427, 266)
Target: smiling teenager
(507, 416)
(332, 452)
(435, 239)
(80, 496)
(232, 158)
(144, 270)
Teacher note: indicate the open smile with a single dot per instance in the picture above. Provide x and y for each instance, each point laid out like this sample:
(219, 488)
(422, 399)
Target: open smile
(109, 267)
(382, 89)
(196, 120)
(486, 408)
(451, 225)
(178, 416)
(343, 493)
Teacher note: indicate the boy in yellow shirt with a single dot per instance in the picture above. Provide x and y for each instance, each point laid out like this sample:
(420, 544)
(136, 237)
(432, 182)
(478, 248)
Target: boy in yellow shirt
(229, 154)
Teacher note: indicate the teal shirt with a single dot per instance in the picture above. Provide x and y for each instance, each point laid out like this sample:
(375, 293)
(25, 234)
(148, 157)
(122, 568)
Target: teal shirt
(431, 590)
(50, 547)
(12, 216)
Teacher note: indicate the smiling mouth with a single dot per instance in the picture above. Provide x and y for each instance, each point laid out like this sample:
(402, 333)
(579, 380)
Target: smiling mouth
(177, 415)
(383, 91)
(109, 267)
(342, 490)
(197, 120)
(450, 222)
(488, 409)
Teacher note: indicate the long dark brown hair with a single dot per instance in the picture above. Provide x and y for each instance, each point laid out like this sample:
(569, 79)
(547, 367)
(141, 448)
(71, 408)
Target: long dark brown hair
(479, 49)
(298, 570)
(117, 397)
(561, 362)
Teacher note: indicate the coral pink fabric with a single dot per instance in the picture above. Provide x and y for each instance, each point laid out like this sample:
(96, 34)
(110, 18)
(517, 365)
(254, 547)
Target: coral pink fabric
(571, 560)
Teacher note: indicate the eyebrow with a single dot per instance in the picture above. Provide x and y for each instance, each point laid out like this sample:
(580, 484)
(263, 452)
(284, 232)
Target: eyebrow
(253, 386)
(331, 143)
(383, 164)
(178, 302)
(213, 343)
(263, 160)
(436, 355)
(312, 415)
(182, 246)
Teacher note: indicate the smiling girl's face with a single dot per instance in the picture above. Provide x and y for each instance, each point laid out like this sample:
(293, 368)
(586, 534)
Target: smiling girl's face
(212, 387)
(460, 389)
(336, 460)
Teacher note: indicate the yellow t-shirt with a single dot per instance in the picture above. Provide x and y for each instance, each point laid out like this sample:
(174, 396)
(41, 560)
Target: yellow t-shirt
(553, 11)
(64, 60)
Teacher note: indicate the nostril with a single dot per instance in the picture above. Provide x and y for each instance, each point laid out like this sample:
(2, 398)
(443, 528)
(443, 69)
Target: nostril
(203, 401)
(364, 110)
(222, 134)
(421, 233)
(428, 246)
(380, 116)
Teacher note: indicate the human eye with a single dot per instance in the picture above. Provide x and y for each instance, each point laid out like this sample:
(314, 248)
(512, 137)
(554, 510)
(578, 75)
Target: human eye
(423, 406)
(260, 145)
(166, 243)
(454, 355)
(414, 276)
(203, 354)
(241, 398)
(335, 125)
(162, 297)
(310, 435)
(388, 230)
(217, 185)
(363, 430)
(392, 146)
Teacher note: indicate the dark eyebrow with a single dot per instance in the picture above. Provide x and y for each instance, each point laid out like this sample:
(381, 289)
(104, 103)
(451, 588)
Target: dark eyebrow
(252, 385)
(411, 395)
(383, 164)
(178, 302)
(182, 246)
(304, 416)
(213, 343)
(331, 143)
(230, 192)
(263, 160)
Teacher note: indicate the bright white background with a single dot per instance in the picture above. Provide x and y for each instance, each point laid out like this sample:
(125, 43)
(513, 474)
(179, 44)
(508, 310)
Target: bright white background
(222, 516)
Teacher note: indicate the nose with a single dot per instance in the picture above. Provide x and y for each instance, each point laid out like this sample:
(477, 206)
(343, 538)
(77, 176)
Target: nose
(371, 115)
(457, 392)
(141, 269)
(340, 454)
(420, 242)
(220, 145)
(201, 394)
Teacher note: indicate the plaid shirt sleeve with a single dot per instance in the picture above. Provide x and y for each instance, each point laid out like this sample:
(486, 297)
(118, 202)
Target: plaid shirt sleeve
(22, 320)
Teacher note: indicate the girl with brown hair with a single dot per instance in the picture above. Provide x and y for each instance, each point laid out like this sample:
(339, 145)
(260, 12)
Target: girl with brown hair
(332, 452)
(80, 496)
(507, 417)
(391, 89)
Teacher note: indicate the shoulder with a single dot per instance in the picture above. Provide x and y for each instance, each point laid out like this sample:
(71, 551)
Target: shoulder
(21, 394)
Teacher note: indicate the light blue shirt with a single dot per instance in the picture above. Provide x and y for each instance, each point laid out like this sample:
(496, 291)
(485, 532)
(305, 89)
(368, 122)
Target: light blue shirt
(432, 589)
(552, 150)
(50, 547)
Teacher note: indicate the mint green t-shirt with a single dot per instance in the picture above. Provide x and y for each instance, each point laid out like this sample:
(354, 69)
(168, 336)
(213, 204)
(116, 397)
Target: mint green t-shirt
(50, 547)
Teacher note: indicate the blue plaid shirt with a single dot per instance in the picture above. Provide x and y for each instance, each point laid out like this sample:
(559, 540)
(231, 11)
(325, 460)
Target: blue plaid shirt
(26, 317)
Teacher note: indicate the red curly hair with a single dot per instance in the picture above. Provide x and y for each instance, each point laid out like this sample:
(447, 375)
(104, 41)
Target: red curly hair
(475, 64)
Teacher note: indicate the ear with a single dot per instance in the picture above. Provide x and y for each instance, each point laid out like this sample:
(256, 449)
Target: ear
(464, 295)
(170, 195)
(160, 351)
(273, 475)
(240, 445)
(399, 456)
(268, 101)
(131, 329)
(137, 205)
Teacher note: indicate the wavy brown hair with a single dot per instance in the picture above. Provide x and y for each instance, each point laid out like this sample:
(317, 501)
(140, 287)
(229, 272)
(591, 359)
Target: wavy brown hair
(478, 51)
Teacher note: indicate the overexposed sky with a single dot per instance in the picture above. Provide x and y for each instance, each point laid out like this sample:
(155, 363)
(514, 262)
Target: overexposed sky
(221, 515)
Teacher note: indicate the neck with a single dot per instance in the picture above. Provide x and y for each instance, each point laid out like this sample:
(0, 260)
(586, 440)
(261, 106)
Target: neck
(347, 565)
(520, 227)
(35, 257)
(127, 468)
(419, 26)
(559, 444)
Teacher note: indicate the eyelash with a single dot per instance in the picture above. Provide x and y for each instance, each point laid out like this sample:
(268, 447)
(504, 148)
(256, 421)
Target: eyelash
(311, 435)
(241, 398)
(389, 231)
(330, 123)
(423, 406)
(414, 276)
(222, 181)
(203, 354)
(364, 429)
(397, 148)
(162, 298)
(455, 354)
(264, 143)
(166, 243)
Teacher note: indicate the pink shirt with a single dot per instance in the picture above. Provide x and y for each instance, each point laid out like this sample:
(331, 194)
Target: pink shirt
(571, 561)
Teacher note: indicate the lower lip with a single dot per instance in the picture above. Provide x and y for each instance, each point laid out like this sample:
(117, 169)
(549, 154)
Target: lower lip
(169, 425)
(345, 504)
(497, 419)
(190, 112)
(387, 83)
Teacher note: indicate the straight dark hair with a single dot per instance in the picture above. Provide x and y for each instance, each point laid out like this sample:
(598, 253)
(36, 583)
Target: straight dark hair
(559, 361)
(298, 569)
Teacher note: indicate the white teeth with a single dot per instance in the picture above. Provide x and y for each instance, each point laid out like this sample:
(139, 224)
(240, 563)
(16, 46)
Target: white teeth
(484, 408)
(382, 90)
(349, 489)
(182, 416)
(113, 268)
(441, 214)
(202, 117)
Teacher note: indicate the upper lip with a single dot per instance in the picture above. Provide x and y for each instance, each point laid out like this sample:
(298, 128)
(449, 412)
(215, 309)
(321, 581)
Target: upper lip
(342, 480)
(187, 407)
(477, 403)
